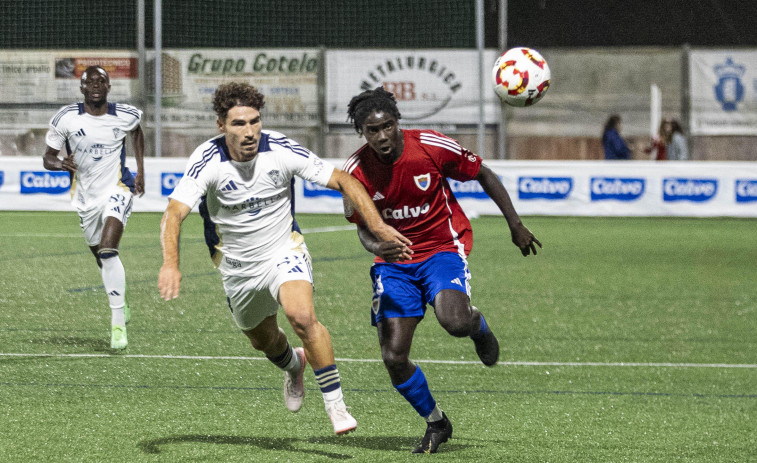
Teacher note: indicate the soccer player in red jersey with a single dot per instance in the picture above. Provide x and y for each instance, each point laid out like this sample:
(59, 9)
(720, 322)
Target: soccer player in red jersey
(405, 172)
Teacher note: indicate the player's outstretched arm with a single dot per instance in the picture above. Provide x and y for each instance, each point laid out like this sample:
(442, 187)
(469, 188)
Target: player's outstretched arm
(51, 161)
(354, 191)
(390, 251)
(522, 236)
(169, 278)
(138, 140)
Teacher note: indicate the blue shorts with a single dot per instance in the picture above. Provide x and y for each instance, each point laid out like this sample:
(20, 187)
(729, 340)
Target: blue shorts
(403, 290)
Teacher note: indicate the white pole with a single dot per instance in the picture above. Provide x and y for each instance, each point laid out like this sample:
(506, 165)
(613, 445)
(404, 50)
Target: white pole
(655, 110)
(481, 73)
(502, 132)
(158, 76)
(141, 55)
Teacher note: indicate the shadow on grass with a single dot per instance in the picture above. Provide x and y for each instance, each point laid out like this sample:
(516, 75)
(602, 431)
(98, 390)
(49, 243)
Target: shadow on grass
(378, 443)
(391, 443)
(267, 443)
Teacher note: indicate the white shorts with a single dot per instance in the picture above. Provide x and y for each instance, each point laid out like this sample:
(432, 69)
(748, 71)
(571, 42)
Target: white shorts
(118, 205)
(252, 288)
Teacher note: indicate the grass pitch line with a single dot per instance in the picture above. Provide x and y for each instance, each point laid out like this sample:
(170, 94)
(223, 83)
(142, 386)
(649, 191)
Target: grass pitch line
(440, 362)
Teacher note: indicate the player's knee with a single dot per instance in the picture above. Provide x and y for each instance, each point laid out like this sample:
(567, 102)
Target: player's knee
(394, 360)
(459, 326)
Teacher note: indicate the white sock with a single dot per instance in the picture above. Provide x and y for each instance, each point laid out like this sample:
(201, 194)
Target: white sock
(435, 415)
(114, 280)
(293, 367)
(117, 316)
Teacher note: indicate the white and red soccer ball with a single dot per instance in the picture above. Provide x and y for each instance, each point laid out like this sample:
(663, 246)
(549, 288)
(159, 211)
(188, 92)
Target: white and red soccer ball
(520, 77)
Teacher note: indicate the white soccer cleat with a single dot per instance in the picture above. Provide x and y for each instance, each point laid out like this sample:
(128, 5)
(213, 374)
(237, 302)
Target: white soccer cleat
(343, 422)
(294, 388)
(118, 337)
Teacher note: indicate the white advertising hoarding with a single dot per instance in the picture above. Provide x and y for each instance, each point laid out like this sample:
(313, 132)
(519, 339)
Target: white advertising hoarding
(431, 86)
(577, 188)
(723, 92)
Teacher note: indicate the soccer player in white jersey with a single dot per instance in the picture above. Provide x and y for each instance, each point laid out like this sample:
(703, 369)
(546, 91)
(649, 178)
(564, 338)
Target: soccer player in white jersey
(243, 180)
(94, 133)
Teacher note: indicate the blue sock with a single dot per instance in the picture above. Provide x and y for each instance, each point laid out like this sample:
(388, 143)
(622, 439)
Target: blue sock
(482, 329)
(415, 390)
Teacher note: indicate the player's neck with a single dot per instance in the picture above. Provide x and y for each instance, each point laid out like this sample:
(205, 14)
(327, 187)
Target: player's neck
(96, 108)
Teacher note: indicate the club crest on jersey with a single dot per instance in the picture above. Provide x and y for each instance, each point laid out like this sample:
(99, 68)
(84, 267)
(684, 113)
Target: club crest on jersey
(118, 133)
(422, 181)
(276, 177)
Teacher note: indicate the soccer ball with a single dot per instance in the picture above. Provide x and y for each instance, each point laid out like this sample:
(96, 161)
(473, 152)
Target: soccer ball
(520, 77)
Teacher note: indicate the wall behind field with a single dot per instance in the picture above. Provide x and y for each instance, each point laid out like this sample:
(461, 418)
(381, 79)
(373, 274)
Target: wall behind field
(588, 85)
(603, 55)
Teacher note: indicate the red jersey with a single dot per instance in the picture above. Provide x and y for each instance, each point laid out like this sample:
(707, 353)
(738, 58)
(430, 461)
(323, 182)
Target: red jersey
(413, 195)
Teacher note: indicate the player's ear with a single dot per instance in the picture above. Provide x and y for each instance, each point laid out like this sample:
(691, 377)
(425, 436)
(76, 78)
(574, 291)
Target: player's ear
(221, 126)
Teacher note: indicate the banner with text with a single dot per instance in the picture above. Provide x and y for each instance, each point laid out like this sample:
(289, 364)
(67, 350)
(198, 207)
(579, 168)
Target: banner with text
(288, 78)
(431, 86)
(579, 188)
(32, 78)
(723, 89)
(37, 82)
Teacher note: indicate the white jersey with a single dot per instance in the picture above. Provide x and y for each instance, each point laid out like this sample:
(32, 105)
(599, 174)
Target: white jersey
(247, 206)
(98, 146)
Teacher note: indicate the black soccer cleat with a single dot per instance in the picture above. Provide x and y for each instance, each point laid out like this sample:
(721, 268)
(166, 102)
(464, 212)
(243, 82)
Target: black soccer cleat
(437, 433)
(487, 348)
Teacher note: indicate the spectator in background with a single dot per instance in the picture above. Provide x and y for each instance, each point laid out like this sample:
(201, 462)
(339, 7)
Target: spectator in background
(614, 145)
(678, 149)
(658, 149)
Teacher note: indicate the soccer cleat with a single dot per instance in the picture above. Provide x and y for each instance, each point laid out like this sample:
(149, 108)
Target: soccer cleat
(437, 433)
(487, 348)
(127, 312)
(343, 422)
(294, 388)
(118, 337)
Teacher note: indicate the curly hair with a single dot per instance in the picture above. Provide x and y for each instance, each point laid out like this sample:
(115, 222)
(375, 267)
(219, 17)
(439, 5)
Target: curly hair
(361, 106)
(233, 94)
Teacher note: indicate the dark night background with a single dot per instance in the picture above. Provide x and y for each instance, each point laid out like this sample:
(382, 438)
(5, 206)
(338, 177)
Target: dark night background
(586, 23)
(379, 23)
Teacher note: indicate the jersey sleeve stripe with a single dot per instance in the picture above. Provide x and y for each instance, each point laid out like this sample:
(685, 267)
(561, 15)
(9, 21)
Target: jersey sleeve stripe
(291, 146)
(441, 142)
(127, 110)
(62, 112)
(443, 145)
(351, 163)
(197, 167)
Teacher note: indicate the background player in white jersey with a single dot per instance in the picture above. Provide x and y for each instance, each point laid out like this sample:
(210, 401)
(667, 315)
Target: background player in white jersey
(94, 134)
(243, 182)
(406, 171)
